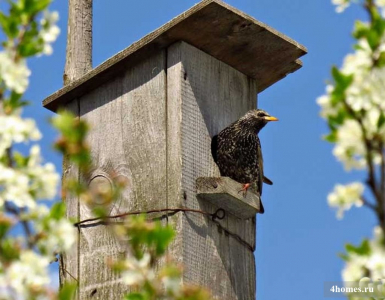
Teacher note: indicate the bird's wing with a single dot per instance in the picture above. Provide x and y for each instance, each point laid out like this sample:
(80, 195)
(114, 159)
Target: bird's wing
(267, 180)
(260, 168)
(214, 148)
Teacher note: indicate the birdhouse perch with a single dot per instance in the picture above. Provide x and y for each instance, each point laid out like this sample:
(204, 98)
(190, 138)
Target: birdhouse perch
(153, 109)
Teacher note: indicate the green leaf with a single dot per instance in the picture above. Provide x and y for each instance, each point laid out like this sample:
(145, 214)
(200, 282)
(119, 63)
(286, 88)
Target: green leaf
(30, 49)
(331, 137)
(161, 237)
(342, 82)
(361, 29)
(5, 225)
(343, 256)
(20, 160)
(363, 249)
(334, 121)
(63, 122)
(9, 250)
(135, 296)
(340, 78)
(67, 291)
(381, 60)
(381, 120)
(13, 102)
(373, 39)
(38, 6)
(58, 210)
(4, 22)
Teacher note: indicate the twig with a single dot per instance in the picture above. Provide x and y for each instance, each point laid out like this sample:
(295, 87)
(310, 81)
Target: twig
(368, 204)
(152, 211)
(16, 212)
(69, 274)
(219, 214)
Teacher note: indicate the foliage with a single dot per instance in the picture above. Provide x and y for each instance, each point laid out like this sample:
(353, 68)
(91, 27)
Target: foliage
(149, 242)
(31, 234)
(354, 109)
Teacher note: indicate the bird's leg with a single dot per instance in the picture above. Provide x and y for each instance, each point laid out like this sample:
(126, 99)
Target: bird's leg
(244, 189)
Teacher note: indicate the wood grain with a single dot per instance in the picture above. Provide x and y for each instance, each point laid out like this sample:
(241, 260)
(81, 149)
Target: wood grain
(216, 28)
(79, 40)
(205, 95)
(69, 271)
(225, 193)
(127, 139)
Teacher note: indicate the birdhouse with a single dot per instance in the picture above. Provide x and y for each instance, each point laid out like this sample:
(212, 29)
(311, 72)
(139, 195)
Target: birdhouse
(153, 109)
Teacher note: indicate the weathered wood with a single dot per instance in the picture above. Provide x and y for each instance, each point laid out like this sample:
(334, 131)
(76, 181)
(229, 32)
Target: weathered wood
(79, 40)
(226, 193)
(127, 116)
(205, 95)
(68, 271)
(78, 62)
(218, 29)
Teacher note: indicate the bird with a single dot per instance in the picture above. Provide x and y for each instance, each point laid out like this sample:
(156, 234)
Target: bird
(237, 151)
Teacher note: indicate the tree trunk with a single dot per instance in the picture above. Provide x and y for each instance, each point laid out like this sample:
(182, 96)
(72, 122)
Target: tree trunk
(79, 40)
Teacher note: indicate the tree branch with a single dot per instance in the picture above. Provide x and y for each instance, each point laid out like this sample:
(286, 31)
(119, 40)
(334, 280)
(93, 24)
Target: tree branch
(369, 204)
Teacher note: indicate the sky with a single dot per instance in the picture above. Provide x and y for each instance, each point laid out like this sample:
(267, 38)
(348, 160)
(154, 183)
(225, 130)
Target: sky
(298, 237)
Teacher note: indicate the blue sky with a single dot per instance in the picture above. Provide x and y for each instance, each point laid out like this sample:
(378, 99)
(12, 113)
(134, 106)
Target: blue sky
(298, 237)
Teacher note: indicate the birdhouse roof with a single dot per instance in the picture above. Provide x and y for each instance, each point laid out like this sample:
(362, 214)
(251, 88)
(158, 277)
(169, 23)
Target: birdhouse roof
(214, 27)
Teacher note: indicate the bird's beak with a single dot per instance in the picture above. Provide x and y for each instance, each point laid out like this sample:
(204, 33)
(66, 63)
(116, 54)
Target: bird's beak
(270, 118)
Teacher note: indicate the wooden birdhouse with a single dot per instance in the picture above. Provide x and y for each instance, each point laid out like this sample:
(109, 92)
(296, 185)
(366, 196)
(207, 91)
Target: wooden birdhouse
(153, 109)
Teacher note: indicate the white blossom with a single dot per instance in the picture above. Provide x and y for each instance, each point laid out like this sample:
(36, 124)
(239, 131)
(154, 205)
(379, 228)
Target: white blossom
(354, 269)
(381, 5)
(172, 284)
(59, 237)
(327, 109)
(358, 62)
(44, 179)
(350, 148)
(14, 129)
(138, 271)
(344, 197)
(376, 264)
(341, 5)
(15, 74)
(30, 272)
(50, 31)
(376, 261)
(371, 263)
(15, 187)
(377, 87)
(367, 90)
(24, 185)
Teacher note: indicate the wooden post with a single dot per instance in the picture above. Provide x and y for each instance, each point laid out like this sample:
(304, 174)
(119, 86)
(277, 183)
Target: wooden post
(153, 109)
(79, 40)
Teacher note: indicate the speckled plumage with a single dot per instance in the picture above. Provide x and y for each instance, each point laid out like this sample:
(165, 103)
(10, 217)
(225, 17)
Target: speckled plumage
(237, 149)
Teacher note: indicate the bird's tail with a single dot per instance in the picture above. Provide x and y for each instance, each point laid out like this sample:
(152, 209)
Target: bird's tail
(261, 208)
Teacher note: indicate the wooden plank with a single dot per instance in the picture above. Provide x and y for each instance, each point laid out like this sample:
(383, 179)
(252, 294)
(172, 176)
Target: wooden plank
(127, 139)
(204, 96)
(244, 286)
(216, 28)
(225, 193)
(176, 196)
(69, 271)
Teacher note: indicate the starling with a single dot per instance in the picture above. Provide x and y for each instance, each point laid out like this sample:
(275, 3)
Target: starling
(237, 150)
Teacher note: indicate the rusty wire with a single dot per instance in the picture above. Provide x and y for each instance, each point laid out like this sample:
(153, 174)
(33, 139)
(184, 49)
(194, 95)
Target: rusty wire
(219, 214)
